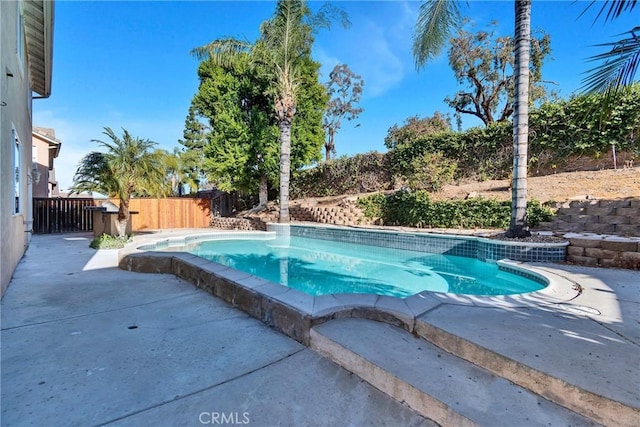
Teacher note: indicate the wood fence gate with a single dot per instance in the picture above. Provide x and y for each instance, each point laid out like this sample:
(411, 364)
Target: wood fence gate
(61, 215)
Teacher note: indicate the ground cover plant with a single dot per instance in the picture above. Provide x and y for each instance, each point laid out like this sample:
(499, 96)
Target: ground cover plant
(106, 241)
(416, 209)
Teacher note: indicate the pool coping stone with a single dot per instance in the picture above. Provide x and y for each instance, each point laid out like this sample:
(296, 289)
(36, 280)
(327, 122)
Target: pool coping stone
(260, 297)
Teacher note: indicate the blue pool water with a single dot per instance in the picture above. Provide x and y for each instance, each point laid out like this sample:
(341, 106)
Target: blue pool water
(320, 267)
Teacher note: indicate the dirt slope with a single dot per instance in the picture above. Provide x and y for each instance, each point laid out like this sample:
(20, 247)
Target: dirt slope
(603, 184)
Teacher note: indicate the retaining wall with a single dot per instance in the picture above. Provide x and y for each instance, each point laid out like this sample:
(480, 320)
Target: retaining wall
(618, 217)
(604, 251)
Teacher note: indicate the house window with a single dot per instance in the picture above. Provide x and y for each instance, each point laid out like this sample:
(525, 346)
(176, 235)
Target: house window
(34, 154)
(17, 169)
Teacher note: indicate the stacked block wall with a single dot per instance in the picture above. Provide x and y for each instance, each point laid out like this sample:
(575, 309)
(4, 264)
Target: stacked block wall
(618, 217)
(604, 251)
(231, 223)
(349, 215)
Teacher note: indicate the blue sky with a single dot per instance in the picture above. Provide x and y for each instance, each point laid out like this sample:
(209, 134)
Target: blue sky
(127, 64)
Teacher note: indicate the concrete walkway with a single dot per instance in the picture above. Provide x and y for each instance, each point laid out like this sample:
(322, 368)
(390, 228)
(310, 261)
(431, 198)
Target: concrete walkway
(85, 343)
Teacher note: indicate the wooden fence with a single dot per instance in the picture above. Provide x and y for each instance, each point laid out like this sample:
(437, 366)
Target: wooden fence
(173, 212)
(69, 215)
(61, 215)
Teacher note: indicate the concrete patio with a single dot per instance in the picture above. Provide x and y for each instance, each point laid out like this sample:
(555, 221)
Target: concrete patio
(85, 343)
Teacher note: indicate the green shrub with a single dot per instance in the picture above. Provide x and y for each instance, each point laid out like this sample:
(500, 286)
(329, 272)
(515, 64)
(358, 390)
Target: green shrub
(106, 241)
(373, 206)
(344, 175)
(415, 209)
(431, 171)
(558, 131)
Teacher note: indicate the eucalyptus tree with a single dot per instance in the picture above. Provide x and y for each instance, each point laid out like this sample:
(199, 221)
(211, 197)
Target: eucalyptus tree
(285, 40)
(345, 90)
(129, 166)
(437, 19)
(483, 64)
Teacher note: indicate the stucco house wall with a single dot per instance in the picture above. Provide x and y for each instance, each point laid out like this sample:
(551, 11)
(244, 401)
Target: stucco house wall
(24, 67)
(45, 148)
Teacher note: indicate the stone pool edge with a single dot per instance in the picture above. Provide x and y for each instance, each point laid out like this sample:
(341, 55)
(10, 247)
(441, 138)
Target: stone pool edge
(294, 312)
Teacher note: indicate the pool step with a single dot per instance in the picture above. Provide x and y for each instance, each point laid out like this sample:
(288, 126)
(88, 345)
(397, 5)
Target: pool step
(437, 384)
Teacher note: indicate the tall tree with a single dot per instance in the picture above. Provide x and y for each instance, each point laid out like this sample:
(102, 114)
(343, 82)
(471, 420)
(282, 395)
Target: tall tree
(345, 90)
(484, 63)
(231, 123)
(522, 38)
(284, 42)
(128, 167)
(233, 118)
(437, 19)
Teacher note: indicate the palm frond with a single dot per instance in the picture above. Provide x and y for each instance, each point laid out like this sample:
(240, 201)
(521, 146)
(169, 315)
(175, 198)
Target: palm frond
(437, 19)
(126, 167)
(93, 175)
(222, 51)
(618, 66)
(611, 9)
(327, 14)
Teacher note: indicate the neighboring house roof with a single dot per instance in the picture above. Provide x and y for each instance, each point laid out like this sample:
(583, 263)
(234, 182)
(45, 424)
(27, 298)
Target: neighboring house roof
(48, 135)
(38, 25)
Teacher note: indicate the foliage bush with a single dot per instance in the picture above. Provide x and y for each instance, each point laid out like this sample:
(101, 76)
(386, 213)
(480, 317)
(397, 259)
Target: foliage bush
(344, 175)
(560, 132)
(430, 172)
(481, 153)
(105, 241)
(580, 126)
(416, 209)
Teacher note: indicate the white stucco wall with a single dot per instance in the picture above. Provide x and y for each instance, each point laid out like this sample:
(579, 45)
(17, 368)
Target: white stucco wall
(15, 112)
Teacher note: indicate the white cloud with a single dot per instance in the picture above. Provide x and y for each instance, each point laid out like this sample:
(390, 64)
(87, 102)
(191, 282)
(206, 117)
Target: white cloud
(377, 46)
(381, 66)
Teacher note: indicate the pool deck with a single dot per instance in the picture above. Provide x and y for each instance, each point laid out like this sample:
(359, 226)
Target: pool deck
(84, 342)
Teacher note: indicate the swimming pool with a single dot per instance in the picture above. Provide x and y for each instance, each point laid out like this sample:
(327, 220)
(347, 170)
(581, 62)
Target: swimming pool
(323, 267)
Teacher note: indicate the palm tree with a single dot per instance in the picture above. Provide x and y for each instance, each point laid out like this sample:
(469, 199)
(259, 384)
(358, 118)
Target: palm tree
(522, 45)
(437, 19)
(619, 65)
(284, 42)
(128, 167)
(178, 167)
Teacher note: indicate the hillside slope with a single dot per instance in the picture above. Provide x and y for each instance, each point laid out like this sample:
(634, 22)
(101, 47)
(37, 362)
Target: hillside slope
(602, 184)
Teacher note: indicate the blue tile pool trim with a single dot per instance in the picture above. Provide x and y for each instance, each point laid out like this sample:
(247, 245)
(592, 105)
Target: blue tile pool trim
(465, 246)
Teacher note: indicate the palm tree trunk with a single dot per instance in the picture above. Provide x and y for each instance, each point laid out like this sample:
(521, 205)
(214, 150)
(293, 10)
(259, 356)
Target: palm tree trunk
(285, 169)
(263, 192)
(517, 226)
(123, 217)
